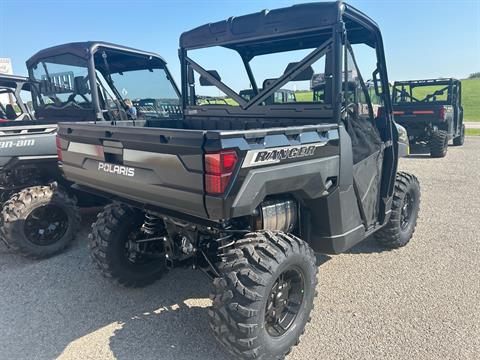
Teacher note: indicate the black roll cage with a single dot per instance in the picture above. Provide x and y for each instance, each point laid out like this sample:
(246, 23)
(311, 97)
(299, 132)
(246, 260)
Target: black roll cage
(14, 84)
(348, 18)
(449, 84)
(87, 51)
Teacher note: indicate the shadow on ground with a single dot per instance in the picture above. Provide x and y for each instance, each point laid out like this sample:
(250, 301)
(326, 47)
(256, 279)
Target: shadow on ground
(62, 307)
(368, 246)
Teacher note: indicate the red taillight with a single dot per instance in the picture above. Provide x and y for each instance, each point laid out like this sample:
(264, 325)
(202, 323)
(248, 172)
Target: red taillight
(4, 120)
(59, 148)
(442, 113)
(399, 113)
(218, 170)
(422, 112)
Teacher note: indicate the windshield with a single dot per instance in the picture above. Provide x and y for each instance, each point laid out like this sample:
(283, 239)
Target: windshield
(63, 81)
(150, 91)
(135, 86)
(421, 93)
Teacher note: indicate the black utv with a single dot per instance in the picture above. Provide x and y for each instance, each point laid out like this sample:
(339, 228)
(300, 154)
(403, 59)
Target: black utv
(431, 111)
(246, 190)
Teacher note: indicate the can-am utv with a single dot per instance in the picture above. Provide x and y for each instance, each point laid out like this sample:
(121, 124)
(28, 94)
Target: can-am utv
(247, 189)
(431, 111)
(14, 108)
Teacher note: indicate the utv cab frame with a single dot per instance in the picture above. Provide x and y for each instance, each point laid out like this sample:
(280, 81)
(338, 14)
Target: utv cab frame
(70, 96)
(15, 108)
(431, 111)
(245, 189)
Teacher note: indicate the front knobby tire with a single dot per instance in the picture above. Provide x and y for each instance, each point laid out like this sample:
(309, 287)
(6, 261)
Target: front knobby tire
(40, 221)
(439, 144)
(264, 295)
(113, 232)
(405, 208)
(459, 140)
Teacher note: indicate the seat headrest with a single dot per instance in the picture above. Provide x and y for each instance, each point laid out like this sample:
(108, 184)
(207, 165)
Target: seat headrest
(80, 85)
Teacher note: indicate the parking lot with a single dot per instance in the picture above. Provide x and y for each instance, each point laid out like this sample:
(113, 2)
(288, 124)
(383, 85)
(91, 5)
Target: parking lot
(420, 302)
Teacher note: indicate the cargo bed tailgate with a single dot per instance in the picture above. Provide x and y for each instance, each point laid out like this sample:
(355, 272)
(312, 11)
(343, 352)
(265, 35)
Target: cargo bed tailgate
(160, 167)
(422, 112)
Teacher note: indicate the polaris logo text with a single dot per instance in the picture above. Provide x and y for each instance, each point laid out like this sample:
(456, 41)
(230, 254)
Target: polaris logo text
(276, 155)
(116, 169)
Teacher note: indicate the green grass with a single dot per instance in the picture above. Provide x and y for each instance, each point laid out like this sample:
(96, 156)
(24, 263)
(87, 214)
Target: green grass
(471, 99)
(475, 132)
(304, 96)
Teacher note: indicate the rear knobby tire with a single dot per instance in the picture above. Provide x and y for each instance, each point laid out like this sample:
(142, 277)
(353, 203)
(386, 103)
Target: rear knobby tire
(439, 144)
(459, 140)
(248, 278)
(40, 221)
(405, 208)
(108, 240)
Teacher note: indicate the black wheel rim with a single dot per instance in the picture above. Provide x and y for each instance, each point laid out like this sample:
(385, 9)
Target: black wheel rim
(284, 302)
(407, 210)
(46, 225)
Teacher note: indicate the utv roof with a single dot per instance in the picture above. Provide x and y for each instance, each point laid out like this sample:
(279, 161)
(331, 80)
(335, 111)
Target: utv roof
(280, 27)
(84, 49)
(11, 81)
(426, 81)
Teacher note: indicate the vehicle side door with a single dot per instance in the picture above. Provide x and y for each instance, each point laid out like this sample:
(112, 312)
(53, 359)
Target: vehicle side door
(360, 119)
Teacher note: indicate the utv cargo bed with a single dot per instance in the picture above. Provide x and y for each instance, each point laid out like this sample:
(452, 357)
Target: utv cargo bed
(164, 167)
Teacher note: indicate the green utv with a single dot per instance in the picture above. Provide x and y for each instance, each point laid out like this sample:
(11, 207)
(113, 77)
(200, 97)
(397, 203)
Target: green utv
(248, 189)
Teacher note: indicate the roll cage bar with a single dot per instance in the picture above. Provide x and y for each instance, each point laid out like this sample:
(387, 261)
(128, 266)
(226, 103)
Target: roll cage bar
(448, 84)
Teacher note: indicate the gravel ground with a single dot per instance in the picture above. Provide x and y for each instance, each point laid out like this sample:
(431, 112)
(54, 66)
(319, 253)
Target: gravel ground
(419, 302)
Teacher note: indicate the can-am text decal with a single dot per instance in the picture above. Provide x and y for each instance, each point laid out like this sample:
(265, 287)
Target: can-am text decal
(17, 143)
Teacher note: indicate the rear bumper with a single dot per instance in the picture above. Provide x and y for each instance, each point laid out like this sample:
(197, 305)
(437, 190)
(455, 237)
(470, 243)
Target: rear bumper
(421, 128)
